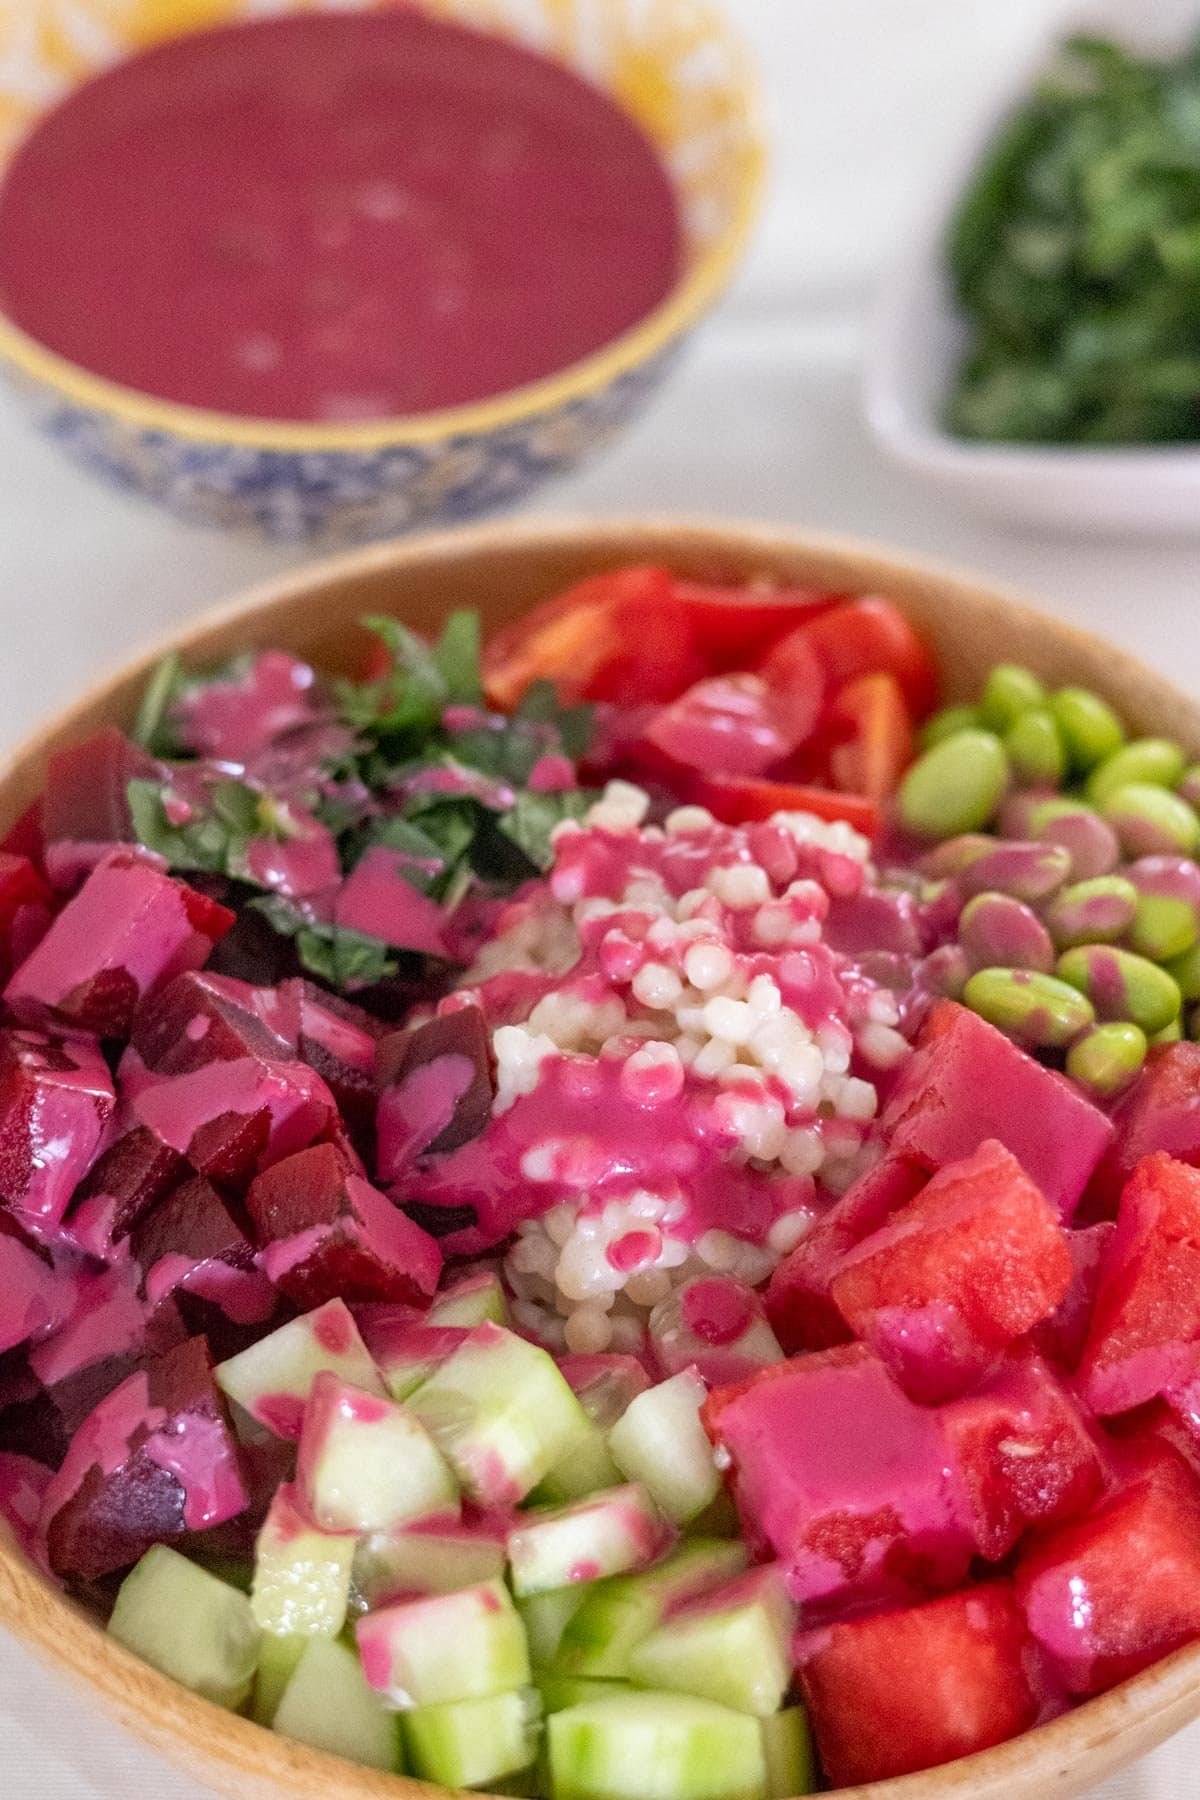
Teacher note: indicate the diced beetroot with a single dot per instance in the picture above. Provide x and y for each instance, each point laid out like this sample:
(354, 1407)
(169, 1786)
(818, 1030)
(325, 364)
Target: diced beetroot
(338, 1040)
(201, 1018)
(23, 1484)
(85, 806)
(1145, 1330)
(232, 1118)
(843, 1477)
(1110, 1594)
(799, 1306)
(377, 900)
(1161, 1111)
(917, 1687)
(26, 909)
(33, 1297)
(1062, 1336)
(126, 1180)
(30, 1422)
(327, 1232)
(967, 1082)
(437, 1088)
(106, 1320)
(953, 1278)
(156, 1458)
(128, 929)
(1022, 1452)
(243, 714)
(56, 1096)
(196, 1247)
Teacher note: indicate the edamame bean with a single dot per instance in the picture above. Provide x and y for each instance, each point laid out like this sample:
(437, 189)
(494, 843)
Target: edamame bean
(1018, 808)
(1035, 1009)
(1090, 842)
(1167, 920)
(956, 786)
(1008, 691)
(1155, 761)
(1121, 985)
(946, 861)
(1185, 972)
(997, 931)
(1188, 785)
(1029, 872)
(1090, 728)
(1170, 1034)
(1106, 1058)
(1034, 747)
(1151, 821)
(945, 723)
(944, 972)
(1098, 911)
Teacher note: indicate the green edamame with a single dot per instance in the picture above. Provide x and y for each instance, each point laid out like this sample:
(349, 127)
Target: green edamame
(945, 723)
(1034, 748)
(1090, 728)
(1170, 1034)
(1167, 921)
(1121, 985)
(1092, 843)
(1151, 821)
(1035, 1009)
(1185, 972)
(1188, 785)
(956, 786)
(1155, 761)
(998, 931)
(1008, 691)
(1106, 1058)
(1098, 911)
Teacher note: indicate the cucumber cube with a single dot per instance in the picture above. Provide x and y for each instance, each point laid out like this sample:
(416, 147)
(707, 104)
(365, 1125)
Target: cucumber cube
(366, 1464)
(273, 1378)
(189, 1625)
(647, 1746)
(545, 1618)
(430, 1558)
(277, 1661)
(328, 1705)
(617, 1614)
(787, 1746)
(301, 1574)
(604, 1386)
(474, 1300)
(560, 1691)
(603, 1535)
(586, 1469)
(463, 1646)
(732, 1646)
(660, 1441)
(501, 1414)
(469, 1742)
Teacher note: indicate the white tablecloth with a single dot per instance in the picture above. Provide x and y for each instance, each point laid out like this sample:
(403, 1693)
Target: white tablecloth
(763, 421)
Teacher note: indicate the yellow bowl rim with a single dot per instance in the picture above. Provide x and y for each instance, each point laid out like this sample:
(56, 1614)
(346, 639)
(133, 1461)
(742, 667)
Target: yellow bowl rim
(694, 293)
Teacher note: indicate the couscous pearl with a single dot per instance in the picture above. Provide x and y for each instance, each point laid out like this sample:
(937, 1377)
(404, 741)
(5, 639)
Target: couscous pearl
(740, 886)
(729, 1019)
(773, 925)
(763, 997)
(802, 1152)
(647, 1287)
(688, 819)
(719, 1249)
(882, 1045)
(657, 985)
(789, 1230)
(588, 1331)
(707, 965)
(652, 1075)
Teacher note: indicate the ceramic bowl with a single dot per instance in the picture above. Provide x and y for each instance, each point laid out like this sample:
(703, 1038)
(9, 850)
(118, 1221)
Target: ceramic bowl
(676, 66)
(918, 339)
(502, 571)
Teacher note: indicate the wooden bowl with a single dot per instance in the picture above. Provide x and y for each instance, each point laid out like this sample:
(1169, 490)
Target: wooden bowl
(503, 570)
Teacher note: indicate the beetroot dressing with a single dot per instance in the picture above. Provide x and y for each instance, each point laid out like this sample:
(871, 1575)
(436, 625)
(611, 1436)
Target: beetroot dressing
(334, 219)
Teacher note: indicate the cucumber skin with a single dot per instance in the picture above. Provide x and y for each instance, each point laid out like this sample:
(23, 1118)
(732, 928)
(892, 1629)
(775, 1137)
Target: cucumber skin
(328, 1706)
(787, 1745)
(468, 1645)
(467, 1742)
(618, 1613)
(277, 1661)
(160, 1608)
(651, 1746)
(732, 1647)
(545, 1617)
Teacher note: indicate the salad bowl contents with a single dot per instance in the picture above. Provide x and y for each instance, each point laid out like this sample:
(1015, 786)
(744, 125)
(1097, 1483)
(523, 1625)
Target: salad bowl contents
(595, 1190)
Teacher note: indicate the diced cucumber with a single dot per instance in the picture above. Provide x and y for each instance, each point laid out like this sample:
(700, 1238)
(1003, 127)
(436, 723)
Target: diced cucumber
(469, 1742)
(189, 1625)
(474, 1300)
(617, 1614)
(560, 1691)
(647, 1746)
(719, 1518)
(366, 1464)
(501, 1414)
(605, 1534)
(301, 1574)
(425, 1560)
(732, 1646)
(587, 1468)
(660, 1441)
(603, 1395)
(273, 1378)
(545, 1617)
(787, 1746)
(277, 1659)
(407, 1354)
(329, 1705)
(462, 1646)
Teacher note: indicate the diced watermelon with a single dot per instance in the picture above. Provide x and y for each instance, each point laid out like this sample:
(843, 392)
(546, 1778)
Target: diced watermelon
(843, 1477)
(26, 909)
(967, 1082)
(56, 1097)
(1062, 1336)
(799, 1306)
(1145, 1331)
(1110, 1594)
(1160, 1111)
(954, 1277)
(1022, 1452)
(917, 1687)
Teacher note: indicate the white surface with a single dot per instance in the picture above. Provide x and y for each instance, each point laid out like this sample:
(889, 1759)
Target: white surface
(762, 422)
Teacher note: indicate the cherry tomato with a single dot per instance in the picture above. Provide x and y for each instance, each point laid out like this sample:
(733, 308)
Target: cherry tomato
(864, 637)
(879, 747)
(734, 627)
(727, 725)
(742, 801)
(796, 674)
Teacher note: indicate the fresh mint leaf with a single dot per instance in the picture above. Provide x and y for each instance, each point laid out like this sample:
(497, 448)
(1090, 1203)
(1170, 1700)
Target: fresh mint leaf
(152, 727)
(457, 655)
(574, 725)
(201, 844)
(345, 959)
(532, 819)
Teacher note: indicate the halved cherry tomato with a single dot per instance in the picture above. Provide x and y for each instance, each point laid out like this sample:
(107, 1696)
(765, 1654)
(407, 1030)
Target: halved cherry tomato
(879, 747)
(742, 801)
(735, 626)
(727, 725)
(796, 673)
(864, 637)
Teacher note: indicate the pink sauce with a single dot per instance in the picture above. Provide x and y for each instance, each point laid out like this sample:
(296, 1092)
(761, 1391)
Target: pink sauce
(335, 218)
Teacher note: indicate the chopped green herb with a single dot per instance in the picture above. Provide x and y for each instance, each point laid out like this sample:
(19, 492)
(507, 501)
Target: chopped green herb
(152, 727)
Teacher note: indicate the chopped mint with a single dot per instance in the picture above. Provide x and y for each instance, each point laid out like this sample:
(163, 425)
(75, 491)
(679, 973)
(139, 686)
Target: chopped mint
(152, 727)
(531, 820)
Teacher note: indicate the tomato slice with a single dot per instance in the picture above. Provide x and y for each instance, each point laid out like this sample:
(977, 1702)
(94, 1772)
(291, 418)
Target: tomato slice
(879, 747)
(743, 801)
(734, 627)
(864, 637)
(727, 725)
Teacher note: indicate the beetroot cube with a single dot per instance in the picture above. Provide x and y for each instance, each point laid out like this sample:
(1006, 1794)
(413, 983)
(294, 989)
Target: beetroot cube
(126, 1180)
(328, 1232)
(201, 1018)
(1161, 1111)
(33, 1298)
(85, 804)
(842, 1477)
(1062, 1336)
(156, 1459)
(231, 1119)
(106, 1320)
(1022, 1452)
(436, 1088)
(917, 1687)
(1146, 1319)
(966, 1082)
(338, 1040)
(127, 930)
(56, 1097)
(23, 1484)
(1112, 1593)
(799, 1306)
(953, 1278)
(26, 909)
(196, 1247)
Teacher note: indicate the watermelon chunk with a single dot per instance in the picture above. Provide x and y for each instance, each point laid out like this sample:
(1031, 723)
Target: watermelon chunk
(1110, 1594)
(916, 1687)
(56, 1097)
(1160, 1111)
(799, 1305)
(1145, 1331)
(843, 1477)
(967, 1082)
(973, 1263)
(1062, 1336)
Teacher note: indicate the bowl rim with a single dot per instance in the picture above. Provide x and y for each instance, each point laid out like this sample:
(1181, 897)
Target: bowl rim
(249, 1761)
(694, 291)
